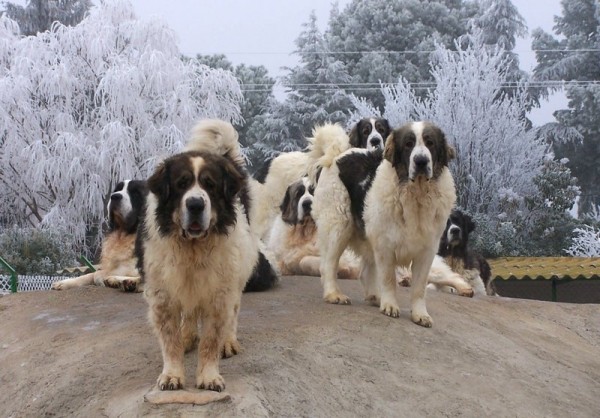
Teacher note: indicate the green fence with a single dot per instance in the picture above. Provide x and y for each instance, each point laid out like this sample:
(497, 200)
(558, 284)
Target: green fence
(13, 282)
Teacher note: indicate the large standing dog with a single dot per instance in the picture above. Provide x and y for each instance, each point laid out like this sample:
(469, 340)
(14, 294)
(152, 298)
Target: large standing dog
(286, 168)
(390, 207)
(197, 253)
(454, 247)
(293, 242)
(118, 262)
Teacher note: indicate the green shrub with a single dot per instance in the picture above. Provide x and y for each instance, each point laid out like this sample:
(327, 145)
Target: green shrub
(36, 251)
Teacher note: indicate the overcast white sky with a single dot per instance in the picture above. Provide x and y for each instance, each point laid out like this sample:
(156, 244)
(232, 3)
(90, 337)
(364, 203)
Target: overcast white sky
(263, 31)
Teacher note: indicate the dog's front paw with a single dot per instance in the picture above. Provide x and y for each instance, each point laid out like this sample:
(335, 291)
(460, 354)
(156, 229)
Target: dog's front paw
(467, 292)
(58, 285)
(337, 298)
(231, 348)
(130, 285)
(422, 319)
(210, 382)
(169, 382)
(111, 282)
(390, 309)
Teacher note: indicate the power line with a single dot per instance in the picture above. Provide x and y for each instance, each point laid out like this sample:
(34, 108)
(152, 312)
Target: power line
(407, 51)
(254, 87)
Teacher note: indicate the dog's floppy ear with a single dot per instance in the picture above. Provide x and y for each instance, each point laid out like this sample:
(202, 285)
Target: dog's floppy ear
(450, 152)
(288, 210)
(233, 180)
(469, 224)
(389, 150)
(354, 135)
(158, 183)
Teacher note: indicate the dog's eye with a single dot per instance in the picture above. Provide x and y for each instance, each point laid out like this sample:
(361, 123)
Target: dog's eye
(429, 143)
(409, 144)
(183, 182)
(208, 182)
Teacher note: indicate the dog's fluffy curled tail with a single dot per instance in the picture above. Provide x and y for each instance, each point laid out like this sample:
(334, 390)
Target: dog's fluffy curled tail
(328, 141)
(218, 136)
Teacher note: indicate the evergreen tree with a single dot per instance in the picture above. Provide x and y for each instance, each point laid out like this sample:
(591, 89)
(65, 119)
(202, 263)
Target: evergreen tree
(501, 24)
(574, 56)
(313, 97)
(257, 87)
(39, 15)
(381, 40)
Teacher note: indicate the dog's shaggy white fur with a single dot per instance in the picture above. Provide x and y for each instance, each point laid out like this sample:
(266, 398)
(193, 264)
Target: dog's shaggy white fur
(198, 253)
(391, 211)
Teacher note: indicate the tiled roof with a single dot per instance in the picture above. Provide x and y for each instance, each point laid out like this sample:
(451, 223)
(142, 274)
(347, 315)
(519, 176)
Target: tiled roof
(510, 268)
(78, 269)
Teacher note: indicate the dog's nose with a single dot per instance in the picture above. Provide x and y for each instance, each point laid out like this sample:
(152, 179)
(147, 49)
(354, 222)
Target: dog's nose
(115, 197)
(307, 205)
(454, 230)
(195, 204)
(375, 142)
(421, 161)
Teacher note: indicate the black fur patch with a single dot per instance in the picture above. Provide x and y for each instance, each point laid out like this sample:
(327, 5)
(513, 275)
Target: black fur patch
(263, 276)
(357, 172)
(263, 172)
(222, 179)
(137, 190)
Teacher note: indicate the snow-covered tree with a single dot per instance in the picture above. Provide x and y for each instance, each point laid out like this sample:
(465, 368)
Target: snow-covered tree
(380, 40)
(313, 97)
(499, 159)
(586, 243)
(39, 15)
(85, 106)
(574, 56)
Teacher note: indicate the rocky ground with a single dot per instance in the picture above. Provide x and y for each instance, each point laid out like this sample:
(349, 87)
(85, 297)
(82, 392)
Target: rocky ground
(90, 352)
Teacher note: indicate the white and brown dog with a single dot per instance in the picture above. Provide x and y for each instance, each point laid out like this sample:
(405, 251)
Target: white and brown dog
(390, 207)
(197, 253)
(118, 263)
(293, 237)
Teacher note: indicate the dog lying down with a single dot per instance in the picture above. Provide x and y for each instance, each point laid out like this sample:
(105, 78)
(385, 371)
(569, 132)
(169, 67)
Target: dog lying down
(293, 243)
(118, 262)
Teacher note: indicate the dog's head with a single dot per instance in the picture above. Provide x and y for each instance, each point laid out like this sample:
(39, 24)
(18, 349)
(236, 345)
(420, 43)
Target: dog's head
(370, 133)
(126, 204)
(297, 203)
(458, 228)
(196, 193)
(418, 150)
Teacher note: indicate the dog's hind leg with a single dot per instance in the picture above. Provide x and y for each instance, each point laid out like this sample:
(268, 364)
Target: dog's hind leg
(386, 278)
(420, 269)
(231, 345)
(189, 331)
(369, 282)
(332, 245)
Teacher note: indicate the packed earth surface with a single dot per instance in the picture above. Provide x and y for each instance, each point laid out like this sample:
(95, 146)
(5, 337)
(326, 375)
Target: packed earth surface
(90, 352)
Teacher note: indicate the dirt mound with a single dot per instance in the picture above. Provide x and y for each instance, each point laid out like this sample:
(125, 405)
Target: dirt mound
(90, 352)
